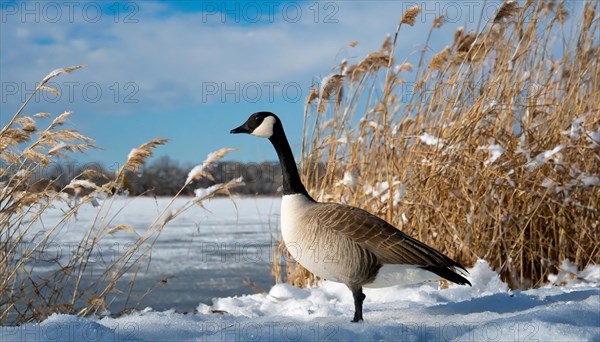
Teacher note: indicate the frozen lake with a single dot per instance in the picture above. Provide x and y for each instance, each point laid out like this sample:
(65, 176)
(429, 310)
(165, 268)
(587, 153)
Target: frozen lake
(203, 253)
(208, 252)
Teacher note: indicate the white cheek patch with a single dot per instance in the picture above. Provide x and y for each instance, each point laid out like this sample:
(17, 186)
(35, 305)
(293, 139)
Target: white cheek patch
(265, 130)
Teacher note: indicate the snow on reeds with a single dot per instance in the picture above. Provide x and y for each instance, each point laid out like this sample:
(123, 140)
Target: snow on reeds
(203, 169)
(470, 163)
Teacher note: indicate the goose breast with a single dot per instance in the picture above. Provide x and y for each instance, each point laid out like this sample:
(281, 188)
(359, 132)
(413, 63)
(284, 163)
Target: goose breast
(328, 253)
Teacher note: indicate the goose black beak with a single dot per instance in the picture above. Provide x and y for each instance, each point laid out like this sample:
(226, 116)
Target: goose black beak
(240, 129)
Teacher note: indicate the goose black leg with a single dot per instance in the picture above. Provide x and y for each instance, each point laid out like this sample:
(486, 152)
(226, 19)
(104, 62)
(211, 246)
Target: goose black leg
(359, 297)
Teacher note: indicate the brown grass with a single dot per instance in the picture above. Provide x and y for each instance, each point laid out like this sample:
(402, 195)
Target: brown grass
(500, 89)
(26, 292)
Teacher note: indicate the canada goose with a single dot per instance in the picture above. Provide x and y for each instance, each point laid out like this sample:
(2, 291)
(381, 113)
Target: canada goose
(342, 243)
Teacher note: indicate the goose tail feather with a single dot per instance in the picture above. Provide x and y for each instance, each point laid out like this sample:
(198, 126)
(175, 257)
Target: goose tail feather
(448, 274)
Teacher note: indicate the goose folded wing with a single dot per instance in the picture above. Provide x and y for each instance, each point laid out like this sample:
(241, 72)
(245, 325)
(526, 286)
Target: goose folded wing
(390, 245)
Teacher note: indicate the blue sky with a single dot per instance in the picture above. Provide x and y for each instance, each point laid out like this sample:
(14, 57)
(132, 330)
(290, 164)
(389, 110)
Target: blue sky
(190, 71)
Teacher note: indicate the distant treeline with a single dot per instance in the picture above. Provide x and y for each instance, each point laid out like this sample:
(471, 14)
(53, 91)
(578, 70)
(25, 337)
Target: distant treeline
(164, 177)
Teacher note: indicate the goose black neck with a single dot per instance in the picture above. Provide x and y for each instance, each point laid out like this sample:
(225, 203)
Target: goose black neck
(291, 178)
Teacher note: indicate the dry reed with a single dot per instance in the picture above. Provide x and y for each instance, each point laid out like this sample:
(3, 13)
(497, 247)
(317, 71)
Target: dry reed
(28, 291)
(494, 156)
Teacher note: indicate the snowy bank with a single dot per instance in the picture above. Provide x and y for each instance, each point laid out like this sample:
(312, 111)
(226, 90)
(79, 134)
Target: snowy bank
(488, 311)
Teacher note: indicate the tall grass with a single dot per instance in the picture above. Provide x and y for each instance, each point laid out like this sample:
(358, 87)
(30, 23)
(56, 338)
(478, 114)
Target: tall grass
(495, 154)
(35, 279)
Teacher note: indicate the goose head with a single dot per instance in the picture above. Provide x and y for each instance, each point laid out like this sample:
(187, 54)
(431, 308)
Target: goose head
(260, 124)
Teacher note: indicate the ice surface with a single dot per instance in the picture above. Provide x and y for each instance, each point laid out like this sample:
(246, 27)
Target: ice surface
(203, 253)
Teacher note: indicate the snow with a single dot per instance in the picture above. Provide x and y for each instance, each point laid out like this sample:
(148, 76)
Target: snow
(349, 179)
(330, 86)
(590, 180)
(203, 168)
(490, 106)
(404, 67)
(488, 311)
(582, 179)
(210, 251)
(543, 157)
(594, 139)
(376, 126)
(84, 183)
(574, 129)
(58, 147)
(195, 172)
(495, 151)
(132, 153)
(382, 191)
(428, 139)
(569, 275)
(205, 192)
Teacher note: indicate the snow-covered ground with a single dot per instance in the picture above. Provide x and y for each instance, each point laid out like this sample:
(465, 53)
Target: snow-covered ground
(485, 312)
(199, 249)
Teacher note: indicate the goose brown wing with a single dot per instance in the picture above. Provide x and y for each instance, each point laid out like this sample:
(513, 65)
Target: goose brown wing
(390, 245)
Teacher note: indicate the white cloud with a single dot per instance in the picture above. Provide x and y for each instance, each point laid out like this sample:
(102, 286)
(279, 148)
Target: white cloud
(171, 57)
(162, 61)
